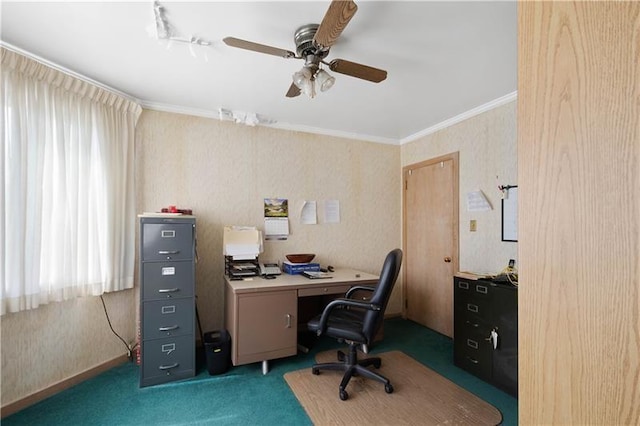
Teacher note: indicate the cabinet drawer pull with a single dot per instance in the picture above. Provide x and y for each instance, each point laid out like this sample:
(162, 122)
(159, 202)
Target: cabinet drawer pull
(475, 361)
(168, 251)
(481, 289)
(464, 285)
(168, 367)
(168, 290)
(471, 307)
(171, 327)
(472, 324)
(288, 320)
(472, 343)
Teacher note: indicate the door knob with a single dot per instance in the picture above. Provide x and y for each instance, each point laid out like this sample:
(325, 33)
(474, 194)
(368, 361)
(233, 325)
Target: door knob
(447, 259)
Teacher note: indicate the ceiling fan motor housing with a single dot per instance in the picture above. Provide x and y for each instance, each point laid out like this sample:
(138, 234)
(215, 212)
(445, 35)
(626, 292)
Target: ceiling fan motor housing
(305, 46)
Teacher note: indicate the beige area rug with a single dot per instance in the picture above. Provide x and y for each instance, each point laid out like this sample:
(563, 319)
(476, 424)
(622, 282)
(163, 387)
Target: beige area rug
(420, 397)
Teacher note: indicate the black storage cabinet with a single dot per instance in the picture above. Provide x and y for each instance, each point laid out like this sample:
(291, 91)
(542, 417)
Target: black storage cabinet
(217, 349)
(480, 307)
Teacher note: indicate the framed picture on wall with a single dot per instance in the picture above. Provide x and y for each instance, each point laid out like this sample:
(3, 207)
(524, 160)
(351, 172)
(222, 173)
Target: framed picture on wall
(510, 214)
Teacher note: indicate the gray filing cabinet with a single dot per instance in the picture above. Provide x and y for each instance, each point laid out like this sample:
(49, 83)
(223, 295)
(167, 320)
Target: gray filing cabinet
(167, 298)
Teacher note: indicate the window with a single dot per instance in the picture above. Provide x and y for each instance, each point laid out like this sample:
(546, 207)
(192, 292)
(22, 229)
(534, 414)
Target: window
(68, 210)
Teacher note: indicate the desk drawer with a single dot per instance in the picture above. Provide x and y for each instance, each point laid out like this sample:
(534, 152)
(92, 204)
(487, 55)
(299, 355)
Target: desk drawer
(318, 291)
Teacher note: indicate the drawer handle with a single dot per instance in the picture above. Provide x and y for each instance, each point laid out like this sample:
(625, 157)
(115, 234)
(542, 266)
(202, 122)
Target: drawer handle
(472, 307)
(464, 285)
(288, 320)
(481, 289)
(475, 361)
(168, 367)
(172, 327)
(168, 251)
(472, 324)
(168, 290)
(472, 343)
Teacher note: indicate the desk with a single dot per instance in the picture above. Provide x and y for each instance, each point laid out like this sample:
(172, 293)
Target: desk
(262, 315)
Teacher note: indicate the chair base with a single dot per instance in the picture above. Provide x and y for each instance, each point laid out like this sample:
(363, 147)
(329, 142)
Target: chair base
(352, 366)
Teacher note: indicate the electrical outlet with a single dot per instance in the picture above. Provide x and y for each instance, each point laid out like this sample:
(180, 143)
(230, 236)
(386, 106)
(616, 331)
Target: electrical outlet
(472, 225)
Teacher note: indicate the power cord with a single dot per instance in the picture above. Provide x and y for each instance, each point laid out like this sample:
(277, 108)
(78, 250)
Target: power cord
(511, 272)
(130, 349)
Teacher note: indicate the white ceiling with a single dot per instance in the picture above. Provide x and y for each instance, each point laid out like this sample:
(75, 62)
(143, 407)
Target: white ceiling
(444, 60)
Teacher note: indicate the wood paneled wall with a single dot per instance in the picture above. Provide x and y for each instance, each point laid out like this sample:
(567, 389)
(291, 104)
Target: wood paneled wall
(579, 203)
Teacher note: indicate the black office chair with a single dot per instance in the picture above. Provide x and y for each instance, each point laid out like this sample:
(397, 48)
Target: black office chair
(356, 322)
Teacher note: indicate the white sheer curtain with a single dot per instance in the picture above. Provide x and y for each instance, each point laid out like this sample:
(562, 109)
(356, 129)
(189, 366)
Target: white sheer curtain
(68, 208)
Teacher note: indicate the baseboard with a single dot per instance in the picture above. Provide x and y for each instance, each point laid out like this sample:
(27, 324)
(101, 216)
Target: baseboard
(29, 400)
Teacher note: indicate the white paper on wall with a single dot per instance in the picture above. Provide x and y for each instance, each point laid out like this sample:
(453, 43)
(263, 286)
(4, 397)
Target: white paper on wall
(477, 202)
(308, 214)
(332, 211)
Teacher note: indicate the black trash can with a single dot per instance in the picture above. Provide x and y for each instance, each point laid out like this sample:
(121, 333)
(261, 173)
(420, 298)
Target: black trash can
(217, 349)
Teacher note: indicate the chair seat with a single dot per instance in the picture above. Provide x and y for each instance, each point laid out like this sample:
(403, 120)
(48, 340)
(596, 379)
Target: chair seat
(343, 324)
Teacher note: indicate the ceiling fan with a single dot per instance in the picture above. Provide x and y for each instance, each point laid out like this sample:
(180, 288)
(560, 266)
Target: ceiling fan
(313, 42)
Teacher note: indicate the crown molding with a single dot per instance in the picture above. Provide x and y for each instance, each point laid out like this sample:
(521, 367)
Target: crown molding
(461, 117)
(277, 125)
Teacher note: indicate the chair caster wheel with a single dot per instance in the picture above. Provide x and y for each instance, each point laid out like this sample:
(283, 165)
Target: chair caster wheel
(344, 395)
(377, 364)
(315, 371)
(341, 356)
(388, 388)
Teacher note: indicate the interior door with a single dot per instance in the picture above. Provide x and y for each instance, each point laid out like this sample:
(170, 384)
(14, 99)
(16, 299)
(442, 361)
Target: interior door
(431, 241)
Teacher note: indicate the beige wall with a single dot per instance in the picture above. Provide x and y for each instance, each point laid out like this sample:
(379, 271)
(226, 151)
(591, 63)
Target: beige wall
(43, 346)
(487, 146)
(223, 171)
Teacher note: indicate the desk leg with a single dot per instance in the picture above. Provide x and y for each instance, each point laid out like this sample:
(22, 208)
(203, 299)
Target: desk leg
(265, 366)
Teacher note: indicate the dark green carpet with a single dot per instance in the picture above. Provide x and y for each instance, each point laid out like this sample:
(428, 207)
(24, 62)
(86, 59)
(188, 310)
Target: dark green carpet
(241, 396)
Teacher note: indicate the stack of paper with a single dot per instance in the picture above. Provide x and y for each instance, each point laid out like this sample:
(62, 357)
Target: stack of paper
(242, 242)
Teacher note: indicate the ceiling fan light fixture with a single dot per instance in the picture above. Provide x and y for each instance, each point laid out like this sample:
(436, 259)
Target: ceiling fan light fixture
(300, 78)
(310, 89)
(325, 80)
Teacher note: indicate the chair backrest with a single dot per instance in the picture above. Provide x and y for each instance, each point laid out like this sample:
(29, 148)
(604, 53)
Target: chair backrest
(388, 276)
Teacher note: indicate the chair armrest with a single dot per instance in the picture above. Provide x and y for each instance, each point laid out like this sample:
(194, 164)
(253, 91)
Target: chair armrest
(356, 288)
(340, 303)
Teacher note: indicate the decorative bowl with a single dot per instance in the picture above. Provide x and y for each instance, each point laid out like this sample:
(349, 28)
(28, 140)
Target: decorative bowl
(300, 258)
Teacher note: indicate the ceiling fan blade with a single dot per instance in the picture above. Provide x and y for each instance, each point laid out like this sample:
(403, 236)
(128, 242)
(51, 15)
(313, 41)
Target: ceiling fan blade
(293, 91)
(257, 47)
(334, 22)
(353, 69)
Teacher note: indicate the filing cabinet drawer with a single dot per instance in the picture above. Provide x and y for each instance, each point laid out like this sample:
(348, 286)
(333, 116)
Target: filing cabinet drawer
(473, 298)
(166, 280)
(165, 318)
(473, 353)
(167, 359)
(469, 324)
(167, 241)
(318, 291)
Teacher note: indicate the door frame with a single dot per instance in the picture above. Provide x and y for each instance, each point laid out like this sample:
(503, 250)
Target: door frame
(455, 256)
